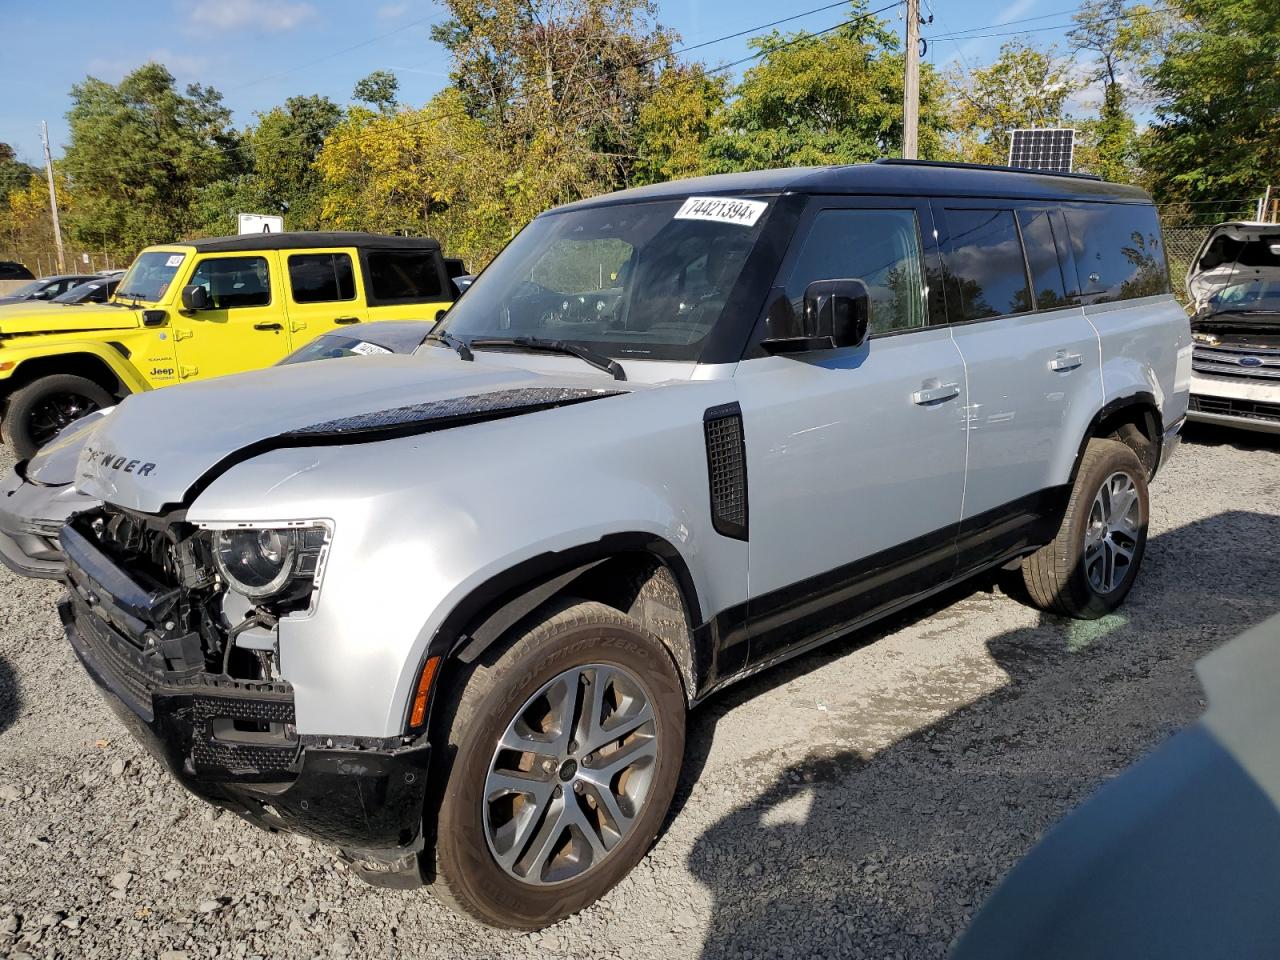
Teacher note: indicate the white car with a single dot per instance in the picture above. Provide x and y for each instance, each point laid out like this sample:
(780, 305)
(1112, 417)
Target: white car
(1234, 284)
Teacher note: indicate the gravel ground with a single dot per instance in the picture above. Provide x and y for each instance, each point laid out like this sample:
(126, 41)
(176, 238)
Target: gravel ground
(858, 802)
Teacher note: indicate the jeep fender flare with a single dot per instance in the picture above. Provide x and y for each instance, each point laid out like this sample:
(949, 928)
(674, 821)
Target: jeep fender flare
(42, 362)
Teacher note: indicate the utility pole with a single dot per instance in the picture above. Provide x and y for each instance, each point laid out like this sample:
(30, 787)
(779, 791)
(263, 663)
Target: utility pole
(911, 85)
(53, 199)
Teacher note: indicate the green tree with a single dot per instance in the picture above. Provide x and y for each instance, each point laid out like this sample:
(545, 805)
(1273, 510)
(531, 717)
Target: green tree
(140, 155)
(559, 84)
(1121, 42)
(674, 124)
(1023, 87)
(282, 176)
(835, 98)
(1216, 136)
(379, 89)
(14, 174)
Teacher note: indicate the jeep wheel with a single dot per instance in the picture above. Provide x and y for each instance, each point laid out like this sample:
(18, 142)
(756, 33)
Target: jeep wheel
(1090, 566)
(38, 411)
(562, 757)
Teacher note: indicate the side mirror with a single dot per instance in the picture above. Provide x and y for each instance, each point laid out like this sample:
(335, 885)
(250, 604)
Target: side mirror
(195, 297)
(836, 313)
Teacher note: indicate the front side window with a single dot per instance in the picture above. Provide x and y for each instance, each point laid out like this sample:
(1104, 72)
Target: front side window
(321, 277)
(234, 282)
(408, 276)
(646, 279)
(149, 277)
(985, 274)
(879, 247)
(1117, 251)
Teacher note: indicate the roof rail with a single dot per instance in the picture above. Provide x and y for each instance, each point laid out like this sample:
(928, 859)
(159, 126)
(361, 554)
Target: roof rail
(959, 165)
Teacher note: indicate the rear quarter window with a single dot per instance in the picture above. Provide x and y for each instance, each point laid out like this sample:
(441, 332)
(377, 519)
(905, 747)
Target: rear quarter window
(403, 276)
(1117, 250)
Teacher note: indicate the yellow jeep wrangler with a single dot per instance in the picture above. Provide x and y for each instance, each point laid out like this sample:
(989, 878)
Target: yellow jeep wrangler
(200, 309)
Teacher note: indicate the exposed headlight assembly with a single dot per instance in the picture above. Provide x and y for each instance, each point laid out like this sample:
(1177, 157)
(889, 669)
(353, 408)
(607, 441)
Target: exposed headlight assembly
(281, 562)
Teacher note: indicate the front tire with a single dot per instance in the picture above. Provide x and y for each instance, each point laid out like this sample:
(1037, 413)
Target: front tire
(38, 411)
(1089, 568)
(562, 755)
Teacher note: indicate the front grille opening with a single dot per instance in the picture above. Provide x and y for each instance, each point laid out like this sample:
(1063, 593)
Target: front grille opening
(1231, 407)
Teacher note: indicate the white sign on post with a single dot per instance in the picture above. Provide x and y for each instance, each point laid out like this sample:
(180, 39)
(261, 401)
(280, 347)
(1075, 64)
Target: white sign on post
(260, 223)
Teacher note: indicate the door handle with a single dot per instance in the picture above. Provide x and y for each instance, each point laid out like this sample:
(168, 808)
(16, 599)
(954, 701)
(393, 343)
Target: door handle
(345, 320)
(931, 391)
(267, 326)
(1063, 362)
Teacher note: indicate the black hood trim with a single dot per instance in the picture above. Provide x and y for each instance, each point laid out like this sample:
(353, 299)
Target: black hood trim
(396, 422)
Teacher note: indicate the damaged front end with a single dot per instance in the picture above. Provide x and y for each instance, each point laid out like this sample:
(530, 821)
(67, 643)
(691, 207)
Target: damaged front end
(177, 623)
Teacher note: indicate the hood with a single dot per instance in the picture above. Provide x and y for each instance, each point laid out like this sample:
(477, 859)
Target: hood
(160, 448)
(1232, 253)
(54, 464)
(44, 317)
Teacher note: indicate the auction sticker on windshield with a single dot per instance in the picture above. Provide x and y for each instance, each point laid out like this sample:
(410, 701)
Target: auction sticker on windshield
(744, 213)
(175, 260)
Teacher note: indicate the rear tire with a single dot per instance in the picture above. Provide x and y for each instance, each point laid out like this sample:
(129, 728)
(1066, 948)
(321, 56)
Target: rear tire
(1089, 567)
(521, 856)
(38, 411)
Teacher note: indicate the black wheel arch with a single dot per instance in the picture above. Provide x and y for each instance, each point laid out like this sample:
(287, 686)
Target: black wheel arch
(587, 571)
(1135, 420)
(85, 365)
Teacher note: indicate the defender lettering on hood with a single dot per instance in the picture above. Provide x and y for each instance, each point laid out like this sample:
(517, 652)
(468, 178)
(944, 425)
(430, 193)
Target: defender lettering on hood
(109, 461)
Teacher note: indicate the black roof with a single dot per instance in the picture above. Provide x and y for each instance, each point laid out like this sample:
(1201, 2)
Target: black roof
(911, 178)
(294, 239)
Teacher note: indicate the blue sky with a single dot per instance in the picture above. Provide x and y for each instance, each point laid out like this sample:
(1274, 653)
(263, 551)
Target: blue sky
(257, 52)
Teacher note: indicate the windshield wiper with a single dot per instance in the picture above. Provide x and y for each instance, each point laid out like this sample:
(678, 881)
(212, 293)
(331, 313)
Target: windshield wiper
(449, 340)
(597, 360)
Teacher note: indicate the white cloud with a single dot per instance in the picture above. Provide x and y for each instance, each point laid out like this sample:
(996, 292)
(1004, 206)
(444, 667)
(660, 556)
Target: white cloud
(1013, 11)
(392, 11)
(237, 14)
(183, 66)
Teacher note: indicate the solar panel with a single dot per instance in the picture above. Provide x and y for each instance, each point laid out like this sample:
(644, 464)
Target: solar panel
(1042, 149)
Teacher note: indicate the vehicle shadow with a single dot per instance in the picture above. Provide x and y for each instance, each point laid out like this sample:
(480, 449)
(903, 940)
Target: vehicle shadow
(10, 697)
(890, 854)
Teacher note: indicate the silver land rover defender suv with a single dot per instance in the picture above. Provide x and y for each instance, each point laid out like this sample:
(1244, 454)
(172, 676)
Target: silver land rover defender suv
(448, 611)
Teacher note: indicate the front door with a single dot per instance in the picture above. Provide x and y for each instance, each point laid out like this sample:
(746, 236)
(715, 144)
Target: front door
(323, 292)
(856, 456)
(245, 327)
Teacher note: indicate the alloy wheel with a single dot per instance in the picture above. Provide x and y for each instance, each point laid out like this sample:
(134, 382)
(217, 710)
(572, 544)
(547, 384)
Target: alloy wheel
(56, 411)
(1113, 533)
(571, 774)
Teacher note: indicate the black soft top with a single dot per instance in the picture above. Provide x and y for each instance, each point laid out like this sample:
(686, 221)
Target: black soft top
(295, 239)
(910, 178)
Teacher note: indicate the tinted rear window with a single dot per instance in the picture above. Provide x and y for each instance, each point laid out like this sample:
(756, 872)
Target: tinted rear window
(1038, 236)
(1117, 251)
(403, 275)
(321, 277)
(985, 273)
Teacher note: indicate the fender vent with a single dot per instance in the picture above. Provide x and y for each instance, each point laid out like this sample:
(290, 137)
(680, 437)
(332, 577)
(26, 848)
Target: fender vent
(727, 469)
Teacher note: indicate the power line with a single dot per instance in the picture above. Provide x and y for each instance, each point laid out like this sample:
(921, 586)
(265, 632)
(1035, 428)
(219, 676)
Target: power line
(639, 64)
(1059, 26)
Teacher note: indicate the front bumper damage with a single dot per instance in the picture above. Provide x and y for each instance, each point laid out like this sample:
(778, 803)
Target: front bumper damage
(233, 742)
(31, 517)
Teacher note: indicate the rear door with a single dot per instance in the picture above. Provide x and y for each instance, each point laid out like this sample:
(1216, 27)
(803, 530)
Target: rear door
(855, 456)
(323, 291)
(246, 326)
(1033, 365)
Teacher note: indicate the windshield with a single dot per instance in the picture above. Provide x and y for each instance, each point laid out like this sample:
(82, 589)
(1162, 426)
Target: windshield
(645, 280)
(78, 294)
(332, 346)
(149, 277)
(1256, 295)
(27, 289)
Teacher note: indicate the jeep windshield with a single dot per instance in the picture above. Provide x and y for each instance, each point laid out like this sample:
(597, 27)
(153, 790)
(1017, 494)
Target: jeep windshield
(643, 280)
(149, 278)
